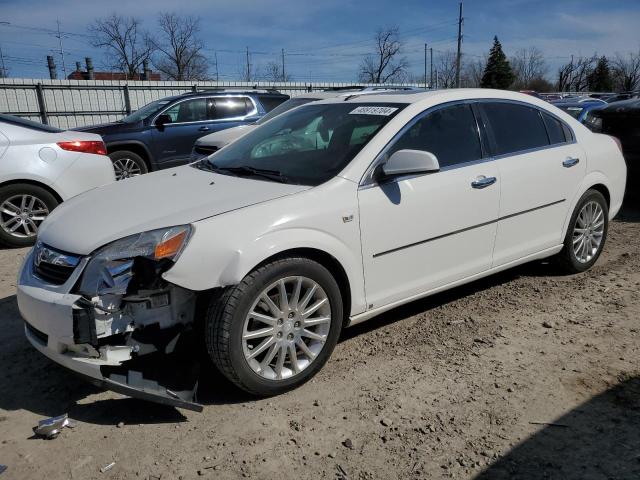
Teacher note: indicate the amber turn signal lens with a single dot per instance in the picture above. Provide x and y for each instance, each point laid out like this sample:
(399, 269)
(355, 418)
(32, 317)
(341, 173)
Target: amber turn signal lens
(171, 246)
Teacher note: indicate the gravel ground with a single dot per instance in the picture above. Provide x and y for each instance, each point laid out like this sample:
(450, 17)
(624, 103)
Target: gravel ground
(527, 374)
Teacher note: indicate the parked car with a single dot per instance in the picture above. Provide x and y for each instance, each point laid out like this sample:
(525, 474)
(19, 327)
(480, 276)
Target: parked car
(579, 106)
(215, 141)
(322, 218)
(622, 121)
(621, 96)
(41, 166)
(162, 133)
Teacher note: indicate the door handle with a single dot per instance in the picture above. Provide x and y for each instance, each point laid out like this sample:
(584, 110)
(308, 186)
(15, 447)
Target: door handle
(570, 162)
(483, 182)
(203, 129)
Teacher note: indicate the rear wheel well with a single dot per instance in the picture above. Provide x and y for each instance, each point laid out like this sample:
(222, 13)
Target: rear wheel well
(604, 191)
(132, 147)
(34, 183)
(327, 261)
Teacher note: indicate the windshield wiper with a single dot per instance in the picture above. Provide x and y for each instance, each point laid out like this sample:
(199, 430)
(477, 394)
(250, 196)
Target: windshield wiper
(244, 170)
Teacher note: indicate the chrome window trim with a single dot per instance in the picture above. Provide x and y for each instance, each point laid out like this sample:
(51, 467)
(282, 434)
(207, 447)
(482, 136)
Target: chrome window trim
(253, 112)
(367, 179)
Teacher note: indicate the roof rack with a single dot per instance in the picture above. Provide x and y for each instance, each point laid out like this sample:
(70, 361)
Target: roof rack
(236, 90)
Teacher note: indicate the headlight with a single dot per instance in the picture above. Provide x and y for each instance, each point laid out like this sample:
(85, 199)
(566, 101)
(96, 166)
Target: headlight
(111, 268)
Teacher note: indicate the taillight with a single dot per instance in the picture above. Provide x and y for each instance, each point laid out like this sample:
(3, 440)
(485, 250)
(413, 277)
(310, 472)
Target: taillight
(85, 146)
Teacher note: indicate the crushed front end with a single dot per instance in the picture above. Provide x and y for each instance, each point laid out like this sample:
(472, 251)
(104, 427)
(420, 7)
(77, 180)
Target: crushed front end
(111, 317)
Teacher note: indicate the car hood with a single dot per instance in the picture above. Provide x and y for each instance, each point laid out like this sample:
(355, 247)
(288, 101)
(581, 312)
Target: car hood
(224, 137)
(161, 199)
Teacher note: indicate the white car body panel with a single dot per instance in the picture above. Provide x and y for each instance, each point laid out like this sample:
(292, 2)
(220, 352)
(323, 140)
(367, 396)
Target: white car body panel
(35, 156)
(226, 136)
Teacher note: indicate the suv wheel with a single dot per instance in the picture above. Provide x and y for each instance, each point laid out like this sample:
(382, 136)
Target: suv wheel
(586, 234)
(23, 207)
(127, 164)
(275, 330)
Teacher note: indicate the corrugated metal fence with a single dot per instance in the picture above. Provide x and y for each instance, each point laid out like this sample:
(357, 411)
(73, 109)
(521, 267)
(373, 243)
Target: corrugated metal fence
(74, 103)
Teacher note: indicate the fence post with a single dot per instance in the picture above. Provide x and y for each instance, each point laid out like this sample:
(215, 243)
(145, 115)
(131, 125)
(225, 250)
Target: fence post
(194, 88)
(127, 99)
(41, 105)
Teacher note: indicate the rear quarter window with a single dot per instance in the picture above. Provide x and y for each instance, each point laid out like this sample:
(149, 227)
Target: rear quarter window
(555, 129)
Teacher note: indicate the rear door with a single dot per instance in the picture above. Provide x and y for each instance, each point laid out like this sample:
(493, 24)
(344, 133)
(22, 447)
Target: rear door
(541, 167)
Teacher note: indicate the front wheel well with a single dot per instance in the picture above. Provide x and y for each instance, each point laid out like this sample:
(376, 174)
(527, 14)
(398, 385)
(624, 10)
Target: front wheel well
(132, 147)
(329, 262)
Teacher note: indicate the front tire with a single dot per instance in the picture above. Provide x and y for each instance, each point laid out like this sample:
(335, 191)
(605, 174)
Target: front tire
(586, 234)
(127, 164)
(276, 329)
(23, 208)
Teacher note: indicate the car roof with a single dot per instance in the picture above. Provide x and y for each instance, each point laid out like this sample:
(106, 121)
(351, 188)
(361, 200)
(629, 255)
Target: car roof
(454, 94)
(226, 91)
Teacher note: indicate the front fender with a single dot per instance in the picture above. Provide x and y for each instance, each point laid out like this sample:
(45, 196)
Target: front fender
(230, 267)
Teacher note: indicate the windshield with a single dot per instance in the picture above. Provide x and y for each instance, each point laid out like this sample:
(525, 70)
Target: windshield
(146, 111)
(307, 145)
(285, 107)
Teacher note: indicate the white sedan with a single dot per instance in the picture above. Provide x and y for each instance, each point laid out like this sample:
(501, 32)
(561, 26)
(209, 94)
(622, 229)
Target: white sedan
(41, 166)
(322, 218)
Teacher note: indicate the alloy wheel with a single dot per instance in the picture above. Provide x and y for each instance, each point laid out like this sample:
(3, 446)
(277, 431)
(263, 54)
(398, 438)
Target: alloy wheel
(126, 168)
(286, 327)
(588, 232)
(21, 215)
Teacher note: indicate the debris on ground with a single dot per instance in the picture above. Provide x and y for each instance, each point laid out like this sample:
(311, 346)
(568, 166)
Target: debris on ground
(3, 468)
(106, 468)
(50, 428)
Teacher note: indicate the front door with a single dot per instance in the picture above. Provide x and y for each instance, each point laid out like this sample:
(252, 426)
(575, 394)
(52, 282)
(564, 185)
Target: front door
(427, 231)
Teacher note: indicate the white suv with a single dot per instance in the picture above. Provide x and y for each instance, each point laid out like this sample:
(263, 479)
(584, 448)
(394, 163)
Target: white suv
(325, 216)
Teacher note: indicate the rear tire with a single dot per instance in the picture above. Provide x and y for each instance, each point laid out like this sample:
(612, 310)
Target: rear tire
(23, 208)
(586, 234)
(127, 164)
(255, 306)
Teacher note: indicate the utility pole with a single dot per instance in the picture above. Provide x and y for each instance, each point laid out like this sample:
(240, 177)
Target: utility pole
(460, 20)
(215, 54)
(425, 66)
(4, 70)
(431, 74)
(64, 69)
(248, 67)
(284, 77)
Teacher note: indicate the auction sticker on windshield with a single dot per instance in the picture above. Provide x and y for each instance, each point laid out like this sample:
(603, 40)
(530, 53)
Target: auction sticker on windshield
(373, 110)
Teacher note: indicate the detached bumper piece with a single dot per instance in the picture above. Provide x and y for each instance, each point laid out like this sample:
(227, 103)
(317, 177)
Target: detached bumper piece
(167, 379)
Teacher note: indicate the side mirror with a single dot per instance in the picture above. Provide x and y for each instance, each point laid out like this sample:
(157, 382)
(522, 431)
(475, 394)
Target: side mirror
(408, 162)
(162, 120)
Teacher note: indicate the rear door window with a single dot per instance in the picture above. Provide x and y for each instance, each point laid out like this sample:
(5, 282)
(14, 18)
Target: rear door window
(450, 133)
(515, 127)
(221, 108)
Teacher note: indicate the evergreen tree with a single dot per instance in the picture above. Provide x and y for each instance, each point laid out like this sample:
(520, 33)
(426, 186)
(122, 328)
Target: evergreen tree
(600, 79)
(497, 73)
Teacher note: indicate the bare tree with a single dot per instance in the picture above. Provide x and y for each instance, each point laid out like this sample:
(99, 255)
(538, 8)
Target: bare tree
(127, 45)
(179, 48)
(272, 72)
(446, 68)
(528, 64)
(574, 76)
(472, 73)
(385, 65)
(626, 72)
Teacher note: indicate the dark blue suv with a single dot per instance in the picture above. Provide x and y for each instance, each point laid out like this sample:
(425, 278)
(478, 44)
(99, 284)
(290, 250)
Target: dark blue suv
(162, 133)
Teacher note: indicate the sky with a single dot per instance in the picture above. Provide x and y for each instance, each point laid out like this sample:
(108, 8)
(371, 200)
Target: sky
(325, 40)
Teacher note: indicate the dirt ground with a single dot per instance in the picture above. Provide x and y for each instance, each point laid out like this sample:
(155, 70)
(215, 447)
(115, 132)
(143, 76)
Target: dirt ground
(528, 374)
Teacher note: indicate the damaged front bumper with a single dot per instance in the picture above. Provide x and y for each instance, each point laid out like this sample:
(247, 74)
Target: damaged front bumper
(139, 344)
